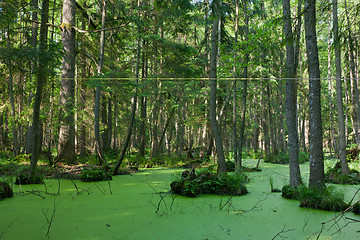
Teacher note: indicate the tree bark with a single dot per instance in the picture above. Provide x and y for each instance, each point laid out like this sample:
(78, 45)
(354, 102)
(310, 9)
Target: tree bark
(16, 147)
(41, 80)
(244, 95)
(98, 145)
(353, 78)
(339, 99)
(291, 118)
(66, 145)
(317, 178)
(213, 86)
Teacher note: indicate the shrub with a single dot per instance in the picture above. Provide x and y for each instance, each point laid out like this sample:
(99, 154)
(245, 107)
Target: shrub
(323, 199)
(24, 178)
(94, 175)
(356, 208)
(206, 181)
(289, 192)
(334, 175)
(5, 190)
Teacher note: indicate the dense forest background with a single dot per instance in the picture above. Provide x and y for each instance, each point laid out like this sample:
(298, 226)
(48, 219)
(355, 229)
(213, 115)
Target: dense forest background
(108, 78)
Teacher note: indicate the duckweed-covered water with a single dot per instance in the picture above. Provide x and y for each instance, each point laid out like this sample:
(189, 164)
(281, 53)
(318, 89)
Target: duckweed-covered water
(129, 212)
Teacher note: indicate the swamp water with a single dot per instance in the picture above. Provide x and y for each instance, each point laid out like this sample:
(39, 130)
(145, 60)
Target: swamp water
(129, 212)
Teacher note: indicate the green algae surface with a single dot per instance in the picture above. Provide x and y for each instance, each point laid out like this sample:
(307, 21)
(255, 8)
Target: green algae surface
(138, 206)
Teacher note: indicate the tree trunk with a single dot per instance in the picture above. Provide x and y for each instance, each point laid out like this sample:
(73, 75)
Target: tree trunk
(41, 80)
(213, 86)
(339, 100)
(317, 178)
(355, 92)
(98, 145)
(244, 95)
(34, 34)
(66, 145)
(291, 118)
(16, 147)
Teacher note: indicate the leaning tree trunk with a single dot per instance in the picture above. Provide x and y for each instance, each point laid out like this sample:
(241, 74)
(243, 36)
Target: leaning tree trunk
(133, 111)
(66, 145)
(291, 119)
(339, 100)
(317, 177)
(213, 82)
(41, 80)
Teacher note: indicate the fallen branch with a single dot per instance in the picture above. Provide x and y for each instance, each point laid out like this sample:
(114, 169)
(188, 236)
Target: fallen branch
(49, 220)
(5, 230)
(240, 212)
(281, 232)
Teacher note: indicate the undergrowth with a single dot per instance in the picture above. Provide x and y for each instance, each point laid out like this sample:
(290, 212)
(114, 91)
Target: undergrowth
(205, 181)
(283, 157)
(334, 175)
(323, 199)
(94, 175)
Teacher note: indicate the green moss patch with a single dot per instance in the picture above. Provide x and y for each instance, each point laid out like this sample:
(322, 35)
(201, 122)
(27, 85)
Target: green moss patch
(192, 183)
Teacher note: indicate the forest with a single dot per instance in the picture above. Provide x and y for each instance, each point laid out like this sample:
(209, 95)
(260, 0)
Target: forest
(180, 97)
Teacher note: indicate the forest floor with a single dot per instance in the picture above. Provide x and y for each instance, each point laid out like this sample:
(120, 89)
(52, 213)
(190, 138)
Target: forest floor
(130, 207)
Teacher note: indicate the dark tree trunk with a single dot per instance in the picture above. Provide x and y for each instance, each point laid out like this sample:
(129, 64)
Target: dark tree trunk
(291, 118)
(317, 178)
(213, 85)
(41, 80)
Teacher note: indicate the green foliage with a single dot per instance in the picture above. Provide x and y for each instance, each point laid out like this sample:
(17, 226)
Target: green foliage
(94, 175)
(290, 192)
(283, 157)
(5, 190)
(323, 199)
(23, 158)
(356, 208)
(334, 175)
(23, 177)
(206, 181)
(231, 168)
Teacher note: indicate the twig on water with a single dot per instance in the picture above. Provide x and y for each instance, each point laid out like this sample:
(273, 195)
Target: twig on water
(279, 234)
(49, 220)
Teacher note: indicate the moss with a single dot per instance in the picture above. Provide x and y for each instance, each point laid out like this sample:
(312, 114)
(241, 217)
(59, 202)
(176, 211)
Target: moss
(5, 190)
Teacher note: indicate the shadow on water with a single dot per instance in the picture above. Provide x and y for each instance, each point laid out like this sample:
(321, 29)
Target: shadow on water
(125, 209)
